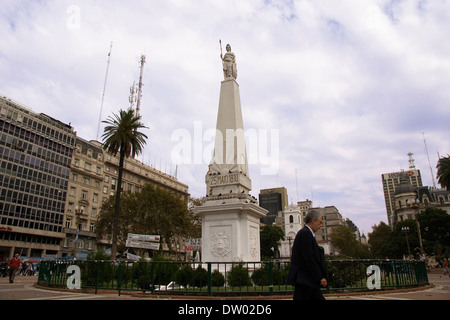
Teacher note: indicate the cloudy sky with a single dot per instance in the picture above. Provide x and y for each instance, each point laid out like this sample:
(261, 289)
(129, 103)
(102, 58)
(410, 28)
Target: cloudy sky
(333, 93)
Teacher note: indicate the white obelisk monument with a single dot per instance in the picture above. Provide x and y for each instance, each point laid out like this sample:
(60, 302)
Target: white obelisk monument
(230, 215)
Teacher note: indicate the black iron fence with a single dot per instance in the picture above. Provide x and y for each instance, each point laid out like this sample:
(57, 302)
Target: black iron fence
(225, 278)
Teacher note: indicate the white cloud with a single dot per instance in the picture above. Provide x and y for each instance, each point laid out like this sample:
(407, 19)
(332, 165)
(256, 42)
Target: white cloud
(350, 87)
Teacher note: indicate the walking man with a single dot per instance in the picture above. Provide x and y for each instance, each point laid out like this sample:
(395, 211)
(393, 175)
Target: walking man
(13, 266)
(308, 267)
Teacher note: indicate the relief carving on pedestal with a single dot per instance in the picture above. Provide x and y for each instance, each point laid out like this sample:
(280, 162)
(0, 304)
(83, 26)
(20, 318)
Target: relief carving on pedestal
(221, 244)
(253, 243)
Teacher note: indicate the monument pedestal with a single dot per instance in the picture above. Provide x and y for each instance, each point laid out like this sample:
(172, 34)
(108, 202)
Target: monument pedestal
(230, 232)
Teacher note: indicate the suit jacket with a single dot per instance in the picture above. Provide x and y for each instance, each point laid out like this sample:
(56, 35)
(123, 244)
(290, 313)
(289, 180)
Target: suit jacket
(308, 264)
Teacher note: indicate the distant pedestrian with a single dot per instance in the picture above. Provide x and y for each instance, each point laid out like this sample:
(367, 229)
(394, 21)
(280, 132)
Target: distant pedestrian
(23, 271)
(13, 266)
(308, 267)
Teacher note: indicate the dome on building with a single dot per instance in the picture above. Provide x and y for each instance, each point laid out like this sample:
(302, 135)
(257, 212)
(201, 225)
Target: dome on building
(405, 186)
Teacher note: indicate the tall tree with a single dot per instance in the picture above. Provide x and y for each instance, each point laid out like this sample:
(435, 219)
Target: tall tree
(121, 136)
(343, 238)
(152, 210)
(435, 228)
(379, 240)
(269, 238)
(443, 173)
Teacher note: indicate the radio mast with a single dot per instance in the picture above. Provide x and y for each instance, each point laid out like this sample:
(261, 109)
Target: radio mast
(138, 103)
(426, 149)
(104, 88)
(132, 97)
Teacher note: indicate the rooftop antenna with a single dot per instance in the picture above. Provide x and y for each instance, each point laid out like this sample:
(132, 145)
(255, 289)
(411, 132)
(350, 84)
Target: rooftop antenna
(411, 161)
(429, 164)
(132, 97)
(104, 88)
(138, 103)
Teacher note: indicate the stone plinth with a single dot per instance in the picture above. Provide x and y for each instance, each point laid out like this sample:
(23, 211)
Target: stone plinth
(230, 232)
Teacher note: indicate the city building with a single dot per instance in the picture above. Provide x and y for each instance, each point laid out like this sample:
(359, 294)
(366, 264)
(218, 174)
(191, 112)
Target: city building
(84, 199)
(53, 183)
(410, 200)
(292, 219)
(390, 182)
(93, 179)
(35, 156)
(274, 200)
(331, 218)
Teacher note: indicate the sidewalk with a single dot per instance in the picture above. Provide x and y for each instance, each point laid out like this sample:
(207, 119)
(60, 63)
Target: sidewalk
(438, 289)
(24, 288)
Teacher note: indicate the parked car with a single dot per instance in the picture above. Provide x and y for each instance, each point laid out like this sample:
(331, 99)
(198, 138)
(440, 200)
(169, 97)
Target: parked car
(171, 286)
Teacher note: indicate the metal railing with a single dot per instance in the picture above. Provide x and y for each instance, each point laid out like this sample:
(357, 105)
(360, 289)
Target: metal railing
(226, 278)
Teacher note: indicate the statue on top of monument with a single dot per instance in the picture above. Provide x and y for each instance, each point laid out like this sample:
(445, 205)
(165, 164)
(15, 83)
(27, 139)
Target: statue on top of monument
(229, 62)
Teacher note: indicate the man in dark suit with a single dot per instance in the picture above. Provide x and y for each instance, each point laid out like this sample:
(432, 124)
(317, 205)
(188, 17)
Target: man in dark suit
(308, 267)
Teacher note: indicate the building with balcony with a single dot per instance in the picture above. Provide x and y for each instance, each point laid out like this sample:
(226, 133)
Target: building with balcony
(93, 179)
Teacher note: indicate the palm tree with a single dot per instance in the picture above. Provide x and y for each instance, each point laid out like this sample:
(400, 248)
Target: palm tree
(443, 173)
(121, 136)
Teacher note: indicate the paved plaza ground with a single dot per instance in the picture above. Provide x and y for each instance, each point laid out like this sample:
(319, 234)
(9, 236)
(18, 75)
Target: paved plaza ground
(24, 288)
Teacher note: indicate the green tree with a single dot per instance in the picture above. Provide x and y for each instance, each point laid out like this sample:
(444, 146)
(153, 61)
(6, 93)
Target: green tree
(196, 230)
(399, 245)
(121, 136)
(158, 211)
(379, 239)
(126, 220)
(270, 235)
(443, 173)
(153, 210)
(343, 238)
(435, 229)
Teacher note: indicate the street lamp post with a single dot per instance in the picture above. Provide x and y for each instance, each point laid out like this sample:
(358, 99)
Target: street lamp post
(290, 247)
(415, 205)
(78, 212)
(406, 230)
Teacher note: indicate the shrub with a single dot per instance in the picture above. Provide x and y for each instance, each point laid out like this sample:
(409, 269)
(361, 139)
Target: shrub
(238, 276)
(185, 275)
(200, 277)
(217, 279)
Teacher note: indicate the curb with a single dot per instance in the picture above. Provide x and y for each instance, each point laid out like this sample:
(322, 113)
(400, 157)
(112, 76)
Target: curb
(138, 294)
